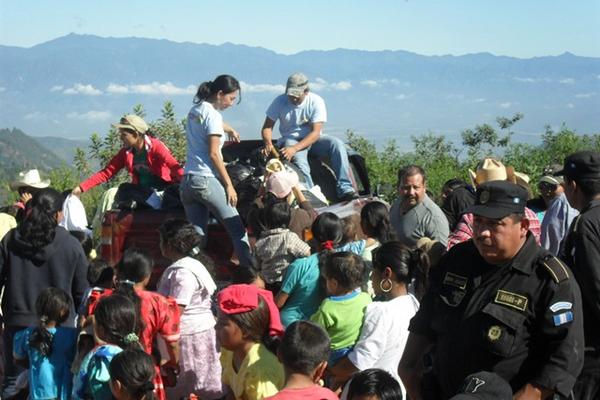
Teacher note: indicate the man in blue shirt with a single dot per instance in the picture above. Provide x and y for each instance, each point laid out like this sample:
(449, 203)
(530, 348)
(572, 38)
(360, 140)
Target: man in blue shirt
(301, 115)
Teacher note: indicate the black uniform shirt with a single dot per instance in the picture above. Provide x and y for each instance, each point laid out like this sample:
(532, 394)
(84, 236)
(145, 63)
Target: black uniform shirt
(521, 320)
(581, 251)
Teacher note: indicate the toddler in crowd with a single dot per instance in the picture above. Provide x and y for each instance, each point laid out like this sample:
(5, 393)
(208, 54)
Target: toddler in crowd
(131, 376)
(304, 351)
(49, 348)
(248, 320)
(301, 292)
(341, 314)
(189, 282)
(116, 329)
(278, 246)
(352, 234)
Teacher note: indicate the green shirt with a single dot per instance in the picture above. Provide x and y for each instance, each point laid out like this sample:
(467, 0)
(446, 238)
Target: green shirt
(140, 165)
(342, 318)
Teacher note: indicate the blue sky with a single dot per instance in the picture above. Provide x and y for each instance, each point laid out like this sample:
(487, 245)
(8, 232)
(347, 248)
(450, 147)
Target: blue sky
(519, 28)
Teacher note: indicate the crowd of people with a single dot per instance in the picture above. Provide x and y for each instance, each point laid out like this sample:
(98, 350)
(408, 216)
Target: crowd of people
(479, 292)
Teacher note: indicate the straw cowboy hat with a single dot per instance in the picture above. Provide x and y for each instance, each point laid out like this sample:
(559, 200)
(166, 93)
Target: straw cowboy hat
(30, 178)
(490, 169)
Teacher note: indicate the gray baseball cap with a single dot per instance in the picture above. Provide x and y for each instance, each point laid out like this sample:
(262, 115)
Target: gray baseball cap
(296, 84)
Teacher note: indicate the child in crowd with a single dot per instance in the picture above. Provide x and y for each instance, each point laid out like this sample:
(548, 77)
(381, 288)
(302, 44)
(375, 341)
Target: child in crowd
(341, 314)
(301, 293)
(374, 384)
(247, 275)
(159, 315)
(375, 224)
(131, 376)
(304, 351)
(49, 348)
(351, 238)
(116, 329)
(248, 320)
(100, 276)
(278, 246)
(188, 281)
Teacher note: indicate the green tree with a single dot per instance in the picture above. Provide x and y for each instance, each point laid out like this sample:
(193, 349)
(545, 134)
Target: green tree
(484, 140)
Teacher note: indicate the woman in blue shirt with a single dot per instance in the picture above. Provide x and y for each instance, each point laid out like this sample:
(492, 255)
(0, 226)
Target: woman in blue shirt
(206, 184)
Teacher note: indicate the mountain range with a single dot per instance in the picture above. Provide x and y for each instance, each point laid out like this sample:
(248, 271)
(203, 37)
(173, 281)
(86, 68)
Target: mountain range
(78, 84)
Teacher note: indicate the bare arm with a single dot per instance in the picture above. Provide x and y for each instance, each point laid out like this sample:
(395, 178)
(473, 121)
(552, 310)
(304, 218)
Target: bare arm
(267, 135)
(217, 160)
(410, 368)
(234, 136)
(281, 299)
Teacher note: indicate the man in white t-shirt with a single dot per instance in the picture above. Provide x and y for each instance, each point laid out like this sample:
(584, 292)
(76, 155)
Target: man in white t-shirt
(301, 115)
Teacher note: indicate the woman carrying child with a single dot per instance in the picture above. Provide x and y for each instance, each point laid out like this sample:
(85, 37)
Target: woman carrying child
(301, 293)
(191, 285)
(49, 348)
(385, 328)
(248, 321)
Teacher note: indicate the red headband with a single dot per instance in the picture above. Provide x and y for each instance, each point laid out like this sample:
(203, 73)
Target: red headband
(236, 299)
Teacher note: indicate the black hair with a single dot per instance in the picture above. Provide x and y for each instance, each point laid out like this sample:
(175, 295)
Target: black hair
(135, 370)
(225, 83)
(589, 187)
(255, 324)
(374, 382)
(86, 241)
(182, 236)
(38, 226)
(346, 268)
(99, 271)
(134, 267)
(51, 305)
(328, 227)
(278, 215)
(117, 318)
(411, 170)
(452, 184)
(375, 221)
(406, 264)
(304, 346)
(244, 275)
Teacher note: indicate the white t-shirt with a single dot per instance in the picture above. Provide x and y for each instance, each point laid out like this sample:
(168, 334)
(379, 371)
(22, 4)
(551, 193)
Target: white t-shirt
(202, 122)
(383, 335)
(295, 121)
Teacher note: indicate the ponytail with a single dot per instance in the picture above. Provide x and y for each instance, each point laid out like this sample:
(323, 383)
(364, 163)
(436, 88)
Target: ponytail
(126, 288)
(52, 305)
(419, 270)
(41, 339)
(222, 83)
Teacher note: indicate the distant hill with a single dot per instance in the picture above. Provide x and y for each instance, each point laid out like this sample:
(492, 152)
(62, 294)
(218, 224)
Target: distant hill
(78, 84)
(19, 152)
(62, 147)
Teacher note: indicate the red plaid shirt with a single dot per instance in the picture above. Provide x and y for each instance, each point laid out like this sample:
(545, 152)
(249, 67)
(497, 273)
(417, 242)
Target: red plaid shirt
(464, 229)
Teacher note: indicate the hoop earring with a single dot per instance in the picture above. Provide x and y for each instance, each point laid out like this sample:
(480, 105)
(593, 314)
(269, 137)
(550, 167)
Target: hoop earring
(386, 281)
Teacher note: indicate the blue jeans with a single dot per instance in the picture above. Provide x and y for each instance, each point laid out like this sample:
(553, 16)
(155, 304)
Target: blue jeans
(203, 194)
(326, 147)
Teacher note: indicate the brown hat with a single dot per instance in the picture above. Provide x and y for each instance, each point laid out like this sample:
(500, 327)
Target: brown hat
(133, 123)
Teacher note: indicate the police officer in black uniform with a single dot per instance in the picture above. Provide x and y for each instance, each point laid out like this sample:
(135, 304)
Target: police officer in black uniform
(581, 251)
(497, 303)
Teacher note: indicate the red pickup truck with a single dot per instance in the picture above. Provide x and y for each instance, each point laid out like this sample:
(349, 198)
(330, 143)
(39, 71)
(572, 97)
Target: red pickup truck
(139, 228)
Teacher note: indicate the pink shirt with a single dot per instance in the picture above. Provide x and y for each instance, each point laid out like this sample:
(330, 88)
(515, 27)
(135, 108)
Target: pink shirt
(314, 392)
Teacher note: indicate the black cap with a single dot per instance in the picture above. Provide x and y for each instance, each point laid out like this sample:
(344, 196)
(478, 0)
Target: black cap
(497, 199)
(582, 165)
(484, 385)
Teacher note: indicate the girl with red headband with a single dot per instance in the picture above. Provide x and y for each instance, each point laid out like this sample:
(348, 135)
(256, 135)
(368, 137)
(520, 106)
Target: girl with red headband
(301, 294)
(248, 322)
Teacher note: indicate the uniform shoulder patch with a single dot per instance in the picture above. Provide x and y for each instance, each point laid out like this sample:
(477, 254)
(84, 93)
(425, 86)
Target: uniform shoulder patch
(555, 268)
